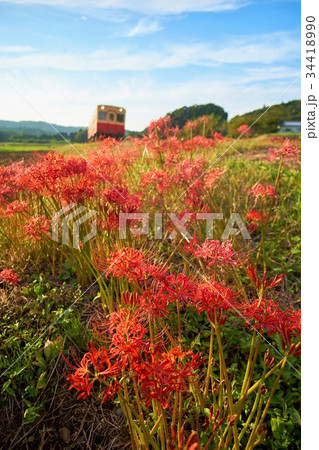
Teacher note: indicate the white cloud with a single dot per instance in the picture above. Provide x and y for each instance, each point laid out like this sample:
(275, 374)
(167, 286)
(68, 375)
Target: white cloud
(264, 49)
(143, 27)
(16, 48)
(69, 102)
(162, 7)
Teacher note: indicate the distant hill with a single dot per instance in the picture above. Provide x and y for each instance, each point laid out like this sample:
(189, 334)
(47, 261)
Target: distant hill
(35, 128)
(182, 115)
(270, 121)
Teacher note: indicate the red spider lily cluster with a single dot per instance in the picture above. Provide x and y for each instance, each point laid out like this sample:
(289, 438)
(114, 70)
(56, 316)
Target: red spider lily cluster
(137, 353)
(162, 299)
(158, 371)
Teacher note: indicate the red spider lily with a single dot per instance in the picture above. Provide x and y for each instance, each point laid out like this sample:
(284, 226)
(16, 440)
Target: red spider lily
(37, 226)
(110, 223)
(15, 207)
(157, 271)
(194, 198)
(10, 180)
(189, 170)
(161, 128)
(128, 263)
(287, 151)
(289, 327)
(120, 197)
(216, 300)
(110, 391)
(125, 332)
(165, 373)
(191, 125)
(263, 190)
(255, 218)
(263, 282)
(8, 276)
(203, 119)
(130, 299)
(125, 263)
(76, 191)
(216, 252)
(80, 382)
(244, 130)
(179, 288)
(262, 314)
(96, 365)
(154, 302)
(218, 137)
(75, 166)
(212, 177)
(266, 315)
(159, 179)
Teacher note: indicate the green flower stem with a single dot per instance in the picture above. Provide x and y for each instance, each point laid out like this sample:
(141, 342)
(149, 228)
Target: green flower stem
(260, 422)
(228, 386)
(209, 366)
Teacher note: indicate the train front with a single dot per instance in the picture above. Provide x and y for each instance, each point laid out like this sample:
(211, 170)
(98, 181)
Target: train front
(107, 121)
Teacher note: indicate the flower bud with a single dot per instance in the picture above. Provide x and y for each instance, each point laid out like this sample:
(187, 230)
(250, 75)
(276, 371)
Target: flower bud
(181, 434)
(232, 419)
(261, 430)
(218, 424)
(269, 360)
(294, 349)
(173, 432)
(215, 389)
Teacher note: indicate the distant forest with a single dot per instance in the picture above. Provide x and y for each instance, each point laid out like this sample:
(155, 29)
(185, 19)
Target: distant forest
(41, 132)
(270, 121)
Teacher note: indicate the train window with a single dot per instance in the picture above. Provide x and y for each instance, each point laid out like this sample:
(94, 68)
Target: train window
(111, 117)
(102, 115)
(120, 118)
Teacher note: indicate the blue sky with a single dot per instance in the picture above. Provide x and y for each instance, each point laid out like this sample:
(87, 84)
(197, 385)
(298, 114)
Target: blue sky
(66, 56)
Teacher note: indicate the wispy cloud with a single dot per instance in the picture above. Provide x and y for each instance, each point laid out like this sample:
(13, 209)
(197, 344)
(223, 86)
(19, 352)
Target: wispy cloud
(162, 7)
(143, 27)
(264, 49)
(16, 48)
(67, 102)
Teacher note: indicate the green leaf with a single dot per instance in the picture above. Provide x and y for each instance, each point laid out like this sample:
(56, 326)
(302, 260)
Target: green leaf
(53, 348)
(30, 415)
(6, 385)
(295, 416)
(40, 361)
(42, 381)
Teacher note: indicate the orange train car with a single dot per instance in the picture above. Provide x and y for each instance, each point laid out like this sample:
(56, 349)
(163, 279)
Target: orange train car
(107, 121)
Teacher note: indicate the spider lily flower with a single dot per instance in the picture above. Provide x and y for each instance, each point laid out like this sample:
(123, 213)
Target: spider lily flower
(9, 277)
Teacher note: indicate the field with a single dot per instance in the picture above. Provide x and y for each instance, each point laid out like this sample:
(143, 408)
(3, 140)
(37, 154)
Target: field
(176, 324)
(11, 151)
